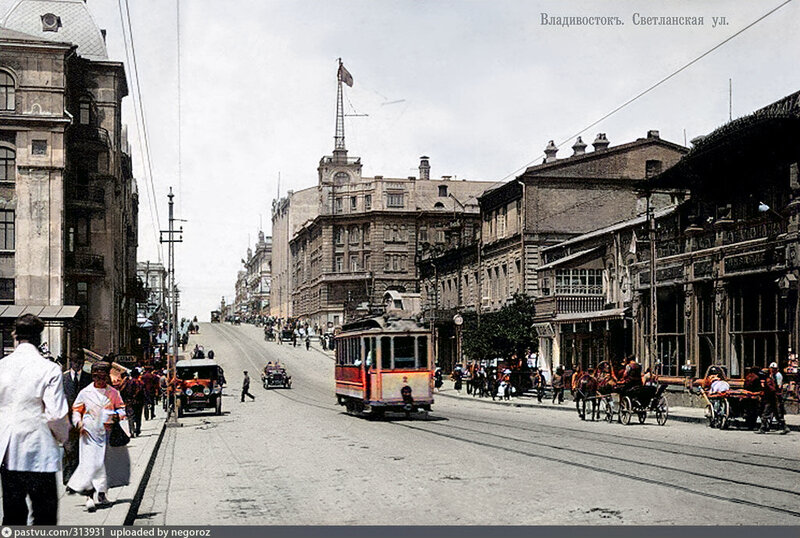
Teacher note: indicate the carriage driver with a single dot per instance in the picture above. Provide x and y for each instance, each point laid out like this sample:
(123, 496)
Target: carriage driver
(632, 377)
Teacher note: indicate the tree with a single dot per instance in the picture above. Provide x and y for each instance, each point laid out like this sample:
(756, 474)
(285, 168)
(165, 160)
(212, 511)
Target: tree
(502, 333)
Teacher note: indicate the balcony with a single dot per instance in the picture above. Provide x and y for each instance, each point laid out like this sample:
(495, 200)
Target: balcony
(85, 264)
(86, 197)
(89, 137)
(569, 304)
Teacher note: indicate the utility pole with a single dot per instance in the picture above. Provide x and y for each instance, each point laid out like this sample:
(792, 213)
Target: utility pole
(653, 340)
(171, 239)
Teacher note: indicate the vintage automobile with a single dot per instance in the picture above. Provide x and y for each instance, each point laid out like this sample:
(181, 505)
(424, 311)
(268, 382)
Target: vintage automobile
(215, 316)
(199, 385)
(276, 376)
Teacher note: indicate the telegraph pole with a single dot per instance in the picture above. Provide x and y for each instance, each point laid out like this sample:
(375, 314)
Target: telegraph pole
(653, 341)
(172, 236)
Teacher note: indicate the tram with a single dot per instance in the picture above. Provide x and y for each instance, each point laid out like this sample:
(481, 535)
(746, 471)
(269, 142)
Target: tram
(384, 364)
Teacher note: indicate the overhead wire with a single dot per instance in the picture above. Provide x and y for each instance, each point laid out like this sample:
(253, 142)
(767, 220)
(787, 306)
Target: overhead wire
(141, 123)
(648, 90)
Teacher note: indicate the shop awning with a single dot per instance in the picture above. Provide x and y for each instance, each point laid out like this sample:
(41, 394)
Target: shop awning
(47, 313)
(596, 315)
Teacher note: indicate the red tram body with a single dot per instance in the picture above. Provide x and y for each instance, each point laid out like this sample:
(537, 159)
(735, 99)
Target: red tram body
(384, 364)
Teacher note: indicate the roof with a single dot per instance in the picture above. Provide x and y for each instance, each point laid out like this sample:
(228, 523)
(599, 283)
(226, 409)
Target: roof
(426, 194)
(195, 363)
(383, 323)
(641, 219)
(77, 26)
(7, 34)
(567, 258)
(45, 312)
(597, 315)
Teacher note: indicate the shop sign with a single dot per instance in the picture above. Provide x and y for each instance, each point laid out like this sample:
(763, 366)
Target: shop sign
(754, 260)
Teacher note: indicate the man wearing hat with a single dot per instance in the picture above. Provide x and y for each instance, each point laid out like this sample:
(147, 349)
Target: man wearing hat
(772, 401)
(33, 423)
(246, 387)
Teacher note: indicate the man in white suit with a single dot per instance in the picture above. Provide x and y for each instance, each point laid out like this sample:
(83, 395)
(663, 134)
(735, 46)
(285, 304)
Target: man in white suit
(33, 423)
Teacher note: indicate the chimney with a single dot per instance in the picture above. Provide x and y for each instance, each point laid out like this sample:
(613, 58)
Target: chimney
(424, 167)
(653, 134)
(550, 152)
(579, 147)
(103, 33)
(601, 142)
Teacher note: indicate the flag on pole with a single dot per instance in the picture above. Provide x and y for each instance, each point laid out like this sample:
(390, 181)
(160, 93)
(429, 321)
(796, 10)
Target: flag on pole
(345, 76)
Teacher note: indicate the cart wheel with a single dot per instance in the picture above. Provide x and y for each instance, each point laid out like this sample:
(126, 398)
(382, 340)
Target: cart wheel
(662, 411)
(725, 415)
(609, 406)
(642, 416)
(710, 416)
(625, 411)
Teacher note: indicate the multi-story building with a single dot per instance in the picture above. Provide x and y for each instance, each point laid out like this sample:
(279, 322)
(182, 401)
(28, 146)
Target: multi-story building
(241, 301)
(70, 206)
(367, 234)
(288, 214)
(259, 267)
(154, 277)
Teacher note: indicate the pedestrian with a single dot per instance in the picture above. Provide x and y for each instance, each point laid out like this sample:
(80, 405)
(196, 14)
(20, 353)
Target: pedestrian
(538, 384)
(558, 385)
(246, 387)
(308, 343)
(75, 380)
(33, 423)
(456, 377)
(162, 390)
(772, 401)
(132, 393)
(95, 411)
(210, 354)
(150, 381)
(438, 380)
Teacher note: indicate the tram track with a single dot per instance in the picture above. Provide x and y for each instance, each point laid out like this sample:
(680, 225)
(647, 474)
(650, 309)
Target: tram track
(566, 455)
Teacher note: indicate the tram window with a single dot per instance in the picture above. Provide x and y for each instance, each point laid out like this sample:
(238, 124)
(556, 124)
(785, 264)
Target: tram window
(404, 352)
(386, 352)
(422, 352)
(369, 351)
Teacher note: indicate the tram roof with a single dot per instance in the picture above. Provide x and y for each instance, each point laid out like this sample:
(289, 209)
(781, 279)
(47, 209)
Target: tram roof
(384, 324)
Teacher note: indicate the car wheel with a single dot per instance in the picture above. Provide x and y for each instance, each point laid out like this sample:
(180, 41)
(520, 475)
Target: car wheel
(218, 406)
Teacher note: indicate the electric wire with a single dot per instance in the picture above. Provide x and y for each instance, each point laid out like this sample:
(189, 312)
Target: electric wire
(646, 91)
(144, 140)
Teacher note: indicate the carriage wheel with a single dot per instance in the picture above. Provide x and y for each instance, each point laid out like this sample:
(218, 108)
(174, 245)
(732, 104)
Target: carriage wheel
(710, 416)
(725, 415)
(662, 411)
(609, 407)
(625, 411)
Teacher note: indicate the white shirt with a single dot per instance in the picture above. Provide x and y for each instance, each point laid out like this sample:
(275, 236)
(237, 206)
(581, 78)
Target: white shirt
(718, 385)
(33, 412)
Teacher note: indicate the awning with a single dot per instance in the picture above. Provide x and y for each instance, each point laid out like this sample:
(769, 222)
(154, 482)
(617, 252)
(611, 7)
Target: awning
(596, 315)
(47, 313)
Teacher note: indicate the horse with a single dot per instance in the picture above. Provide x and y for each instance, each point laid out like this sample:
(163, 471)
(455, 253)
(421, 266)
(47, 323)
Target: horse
(587, 390)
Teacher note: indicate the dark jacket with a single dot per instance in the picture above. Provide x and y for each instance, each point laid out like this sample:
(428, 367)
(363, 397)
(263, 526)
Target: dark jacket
(72, 388)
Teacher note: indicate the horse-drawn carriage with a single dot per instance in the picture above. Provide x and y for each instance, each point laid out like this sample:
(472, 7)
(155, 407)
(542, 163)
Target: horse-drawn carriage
(639, 400)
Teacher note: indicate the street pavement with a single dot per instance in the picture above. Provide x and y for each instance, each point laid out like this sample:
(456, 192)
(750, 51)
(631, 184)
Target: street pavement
(294, 457)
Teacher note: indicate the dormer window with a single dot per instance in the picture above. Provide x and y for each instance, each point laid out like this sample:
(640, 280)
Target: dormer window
(438, 205)
(50, 22)
(442, 191)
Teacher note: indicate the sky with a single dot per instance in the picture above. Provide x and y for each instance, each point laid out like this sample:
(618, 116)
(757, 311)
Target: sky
(480, 86)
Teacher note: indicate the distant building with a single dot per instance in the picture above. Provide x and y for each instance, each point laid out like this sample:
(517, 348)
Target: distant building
(259, 269)
(153, 276)
(68, 199)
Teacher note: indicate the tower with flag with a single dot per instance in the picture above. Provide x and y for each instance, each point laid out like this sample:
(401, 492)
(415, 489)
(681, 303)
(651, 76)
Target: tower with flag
(339, 149)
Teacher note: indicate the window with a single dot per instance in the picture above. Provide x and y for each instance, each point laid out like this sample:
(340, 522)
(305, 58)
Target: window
(353, 235)
(8, 166)
(338, 206)
(438, 205)
(366, 262)
(579, 281)
(83, 232)
(339, 264)
(367, 202)
(50, 22)
(404, 357)
(395, 200)
(353, 203)
(386, 352)
(353, 264)
(39, 147)
(338, 235)
(442, 191)
(440, 235)
(366, 234)
(6, 91)
(7, 290)
(652, 168)
(6, 230)
(82, 295)
(85, 112)
(423, 234)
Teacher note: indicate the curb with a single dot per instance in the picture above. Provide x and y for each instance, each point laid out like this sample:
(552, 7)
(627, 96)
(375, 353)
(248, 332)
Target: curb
(677, 418)
(133, 509)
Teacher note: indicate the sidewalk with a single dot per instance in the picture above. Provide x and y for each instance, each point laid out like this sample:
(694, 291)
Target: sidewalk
(680, 414)
(141, 450)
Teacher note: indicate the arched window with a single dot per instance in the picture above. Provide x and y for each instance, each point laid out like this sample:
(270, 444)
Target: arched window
(6, 91)
(8, 166)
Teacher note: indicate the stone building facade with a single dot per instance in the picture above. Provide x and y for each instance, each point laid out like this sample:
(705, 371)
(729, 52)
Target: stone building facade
(70, 201)
(258, 266)
(367, 235)
(154, 277)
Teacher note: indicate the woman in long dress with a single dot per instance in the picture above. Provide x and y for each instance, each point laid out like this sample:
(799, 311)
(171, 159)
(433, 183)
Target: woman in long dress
(95, 410)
